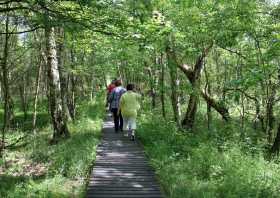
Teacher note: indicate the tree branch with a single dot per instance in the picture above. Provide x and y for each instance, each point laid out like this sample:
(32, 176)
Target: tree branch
(186, 69)
(16, 142)
(21, 32)
(11, 1)
(13, 9)
(199, 62)
(243, 92)
(234, 52)
(219, 107)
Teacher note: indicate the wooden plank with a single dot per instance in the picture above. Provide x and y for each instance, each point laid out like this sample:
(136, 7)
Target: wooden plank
(113, 188)
(124, 191)
(128, 184)
(121, 169)
(121, 185)
(143, 193)
(136, 178)
(122, 160)
(121, 172)
(115, 164)
(123, 196)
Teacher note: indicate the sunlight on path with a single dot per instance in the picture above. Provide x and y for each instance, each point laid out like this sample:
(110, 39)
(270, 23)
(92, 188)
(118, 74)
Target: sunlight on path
(121, 169)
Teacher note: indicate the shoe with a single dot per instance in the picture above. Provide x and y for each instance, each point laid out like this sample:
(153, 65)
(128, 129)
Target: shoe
(132, 135)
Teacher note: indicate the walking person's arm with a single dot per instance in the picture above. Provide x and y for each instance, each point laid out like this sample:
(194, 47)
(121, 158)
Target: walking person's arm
(111, 96)
(120, 105)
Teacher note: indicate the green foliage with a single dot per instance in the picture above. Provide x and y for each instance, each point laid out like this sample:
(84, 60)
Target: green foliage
(206, 165)
(106, 39)
(58, 170)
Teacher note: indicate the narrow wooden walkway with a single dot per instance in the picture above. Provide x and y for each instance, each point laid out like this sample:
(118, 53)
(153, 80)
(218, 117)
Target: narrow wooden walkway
(121, 169)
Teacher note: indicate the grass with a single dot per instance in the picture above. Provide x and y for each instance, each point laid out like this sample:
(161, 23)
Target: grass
(38, 169)
(206, 163)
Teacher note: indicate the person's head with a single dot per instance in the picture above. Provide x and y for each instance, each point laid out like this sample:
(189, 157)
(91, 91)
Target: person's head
(118, 83)
(113, 81)
(130, 87)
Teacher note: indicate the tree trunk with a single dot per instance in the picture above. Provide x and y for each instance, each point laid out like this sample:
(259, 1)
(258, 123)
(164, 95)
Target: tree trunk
(242, 117)
(189, 119)
(207, 90)
(276, 144)
(218, 106)
(152, 85)
(22, 91)
(269, 113)
(55, 101)
(225, 80)
(1, 94)
(193, 75)
(92, 84)
(258, 117)
(242, 113)
(104, 79)
(120, 75)
(162, 86)
(37, 87)
(174, 89)
(152, 88)
(5, 83)
(71, 98)
(62, 74)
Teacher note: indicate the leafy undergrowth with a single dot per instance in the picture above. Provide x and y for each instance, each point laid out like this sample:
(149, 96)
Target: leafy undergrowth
(38, 169)
(199, 165)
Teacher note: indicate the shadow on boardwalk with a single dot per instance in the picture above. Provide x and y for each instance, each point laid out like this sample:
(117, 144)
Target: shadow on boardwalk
(121, 169)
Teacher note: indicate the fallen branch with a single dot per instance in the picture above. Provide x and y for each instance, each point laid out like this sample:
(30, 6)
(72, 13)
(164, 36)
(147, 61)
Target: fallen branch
(219, 107)
(16, 142)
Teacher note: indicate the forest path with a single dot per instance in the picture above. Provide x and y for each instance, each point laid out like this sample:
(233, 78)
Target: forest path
(121, 168)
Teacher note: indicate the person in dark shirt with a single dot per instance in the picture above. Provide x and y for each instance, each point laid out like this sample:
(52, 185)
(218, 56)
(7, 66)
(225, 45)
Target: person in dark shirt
(114, 100)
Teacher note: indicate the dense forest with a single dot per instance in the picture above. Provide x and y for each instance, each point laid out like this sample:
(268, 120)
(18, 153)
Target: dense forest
(208, 71)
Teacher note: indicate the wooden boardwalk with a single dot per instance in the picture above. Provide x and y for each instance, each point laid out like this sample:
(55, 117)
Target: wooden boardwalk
(121, 169)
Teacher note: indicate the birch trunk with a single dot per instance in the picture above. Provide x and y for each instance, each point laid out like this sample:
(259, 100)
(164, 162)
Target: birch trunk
(55, 101)
(62, 74)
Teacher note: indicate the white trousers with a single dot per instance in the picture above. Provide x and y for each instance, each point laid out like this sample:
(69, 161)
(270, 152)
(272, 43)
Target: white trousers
(129, 123)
